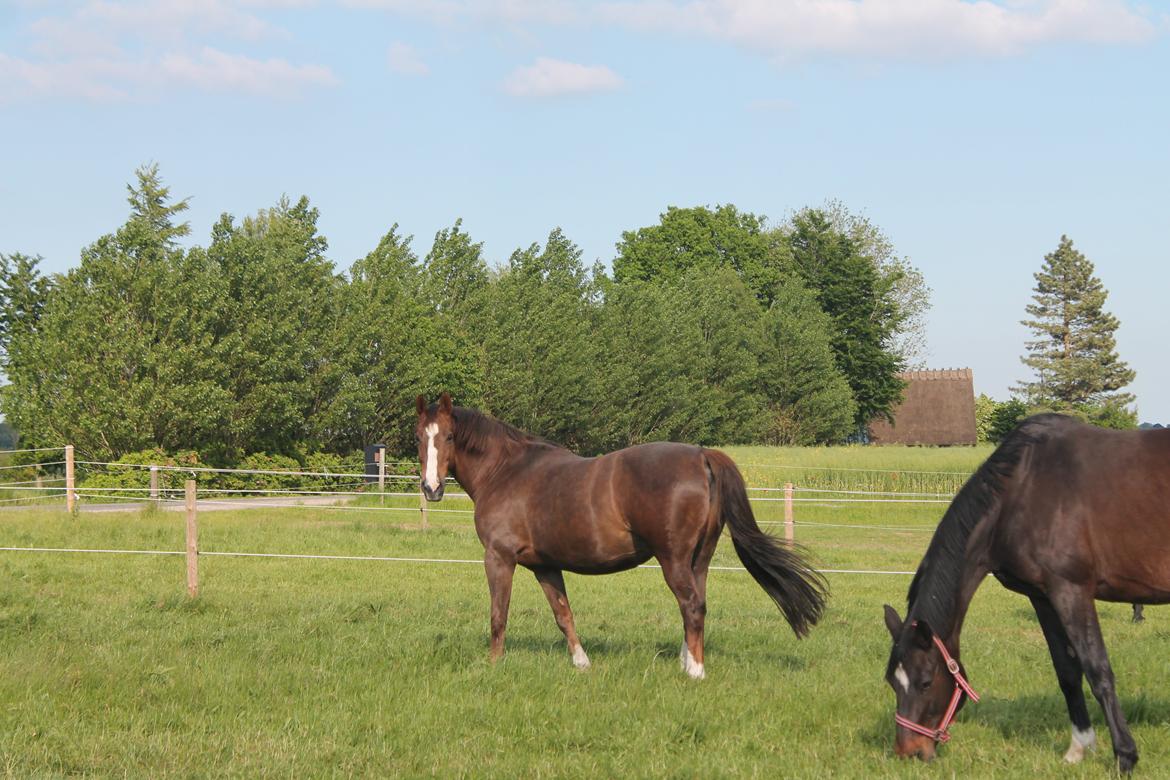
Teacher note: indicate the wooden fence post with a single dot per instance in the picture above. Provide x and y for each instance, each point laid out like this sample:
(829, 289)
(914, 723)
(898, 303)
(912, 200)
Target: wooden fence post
(154, 485)
(789, 523)
(192, 543)
(422, 505)
(380, 456)
(70, 498)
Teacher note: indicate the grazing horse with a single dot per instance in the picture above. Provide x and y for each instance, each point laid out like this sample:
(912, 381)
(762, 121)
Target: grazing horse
(1063, 513)
(542, 507)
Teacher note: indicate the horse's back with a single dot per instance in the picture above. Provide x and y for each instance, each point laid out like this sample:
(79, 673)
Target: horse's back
(1092, 505)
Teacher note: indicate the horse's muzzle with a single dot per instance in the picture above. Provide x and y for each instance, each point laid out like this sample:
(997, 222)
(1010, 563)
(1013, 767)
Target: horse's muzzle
(915, 746)
(433, 495)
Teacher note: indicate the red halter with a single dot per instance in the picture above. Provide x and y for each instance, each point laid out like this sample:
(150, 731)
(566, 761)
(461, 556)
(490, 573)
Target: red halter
(940, 734)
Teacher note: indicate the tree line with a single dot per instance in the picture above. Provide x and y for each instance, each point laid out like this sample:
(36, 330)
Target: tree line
(711, 327)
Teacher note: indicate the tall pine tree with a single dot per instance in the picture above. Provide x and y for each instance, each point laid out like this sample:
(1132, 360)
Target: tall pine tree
(1074, 353)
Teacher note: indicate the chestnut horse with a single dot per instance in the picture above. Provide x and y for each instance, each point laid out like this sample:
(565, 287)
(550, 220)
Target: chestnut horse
(1063, 513)
(540, 506)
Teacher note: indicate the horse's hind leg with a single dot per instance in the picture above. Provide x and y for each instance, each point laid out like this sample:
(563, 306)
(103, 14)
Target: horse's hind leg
(499, 576)
(1078, 615)
(552, 582)
(1069, 674)
(692, 603)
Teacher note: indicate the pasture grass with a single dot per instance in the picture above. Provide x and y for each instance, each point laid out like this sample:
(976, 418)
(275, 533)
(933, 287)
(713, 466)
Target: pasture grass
(313, 668)
(322, 667)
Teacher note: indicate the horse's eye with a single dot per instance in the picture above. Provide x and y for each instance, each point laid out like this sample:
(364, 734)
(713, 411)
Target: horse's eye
(450, 437)
(924, 687)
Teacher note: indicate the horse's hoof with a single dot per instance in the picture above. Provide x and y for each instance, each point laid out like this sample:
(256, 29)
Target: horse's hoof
(690, 665)
(1079, 743)
(580, 660)
(1125, 763)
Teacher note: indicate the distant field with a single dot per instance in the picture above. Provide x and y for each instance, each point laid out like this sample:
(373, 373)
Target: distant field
(320, 667)
(874, 468)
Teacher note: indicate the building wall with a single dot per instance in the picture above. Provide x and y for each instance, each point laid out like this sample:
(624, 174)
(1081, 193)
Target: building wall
(938, 408)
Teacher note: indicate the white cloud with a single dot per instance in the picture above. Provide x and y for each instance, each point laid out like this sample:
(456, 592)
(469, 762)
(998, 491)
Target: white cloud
(106, 80)
(550, 78)
(889, 29)
(215, 70)
(558, 12)
(174, 19)
(403, 58)
(104, 50)
(91, 79)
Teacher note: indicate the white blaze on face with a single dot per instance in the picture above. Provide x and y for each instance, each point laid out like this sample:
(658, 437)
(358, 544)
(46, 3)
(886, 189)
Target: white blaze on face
(902, 678)
(432, 475)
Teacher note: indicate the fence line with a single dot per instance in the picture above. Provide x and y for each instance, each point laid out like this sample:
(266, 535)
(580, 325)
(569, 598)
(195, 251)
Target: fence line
(839, 468)
(859, 492)
(274, 492)
(379, 558)
(31, 498)
(10, 485)
(33, 449)
(802, 523)
(299, 473)
(827, 501)
(209, 470)
(191, 504)
(32, 465)
(334, 507)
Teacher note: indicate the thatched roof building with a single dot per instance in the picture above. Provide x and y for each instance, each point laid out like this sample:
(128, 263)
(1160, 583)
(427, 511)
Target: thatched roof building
(938, 408)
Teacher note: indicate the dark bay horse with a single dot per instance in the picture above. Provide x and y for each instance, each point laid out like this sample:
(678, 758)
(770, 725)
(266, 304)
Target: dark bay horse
(1063, 513)
(540, 506)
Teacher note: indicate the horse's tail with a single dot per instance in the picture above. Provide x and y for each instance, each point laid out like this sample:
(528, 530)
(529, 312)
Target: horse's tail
(798, 589)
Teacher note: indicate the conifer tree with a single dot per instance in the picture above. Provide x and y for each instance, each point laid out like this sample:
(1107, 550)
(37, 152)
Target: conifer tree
(1074, 353)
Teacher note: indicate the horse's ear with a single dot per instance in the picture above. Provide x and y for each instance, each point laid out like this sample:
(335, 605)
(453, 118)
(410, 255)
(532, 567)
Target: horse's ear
(420, 404)
(893, 622)
(445, 402)
(923, 635)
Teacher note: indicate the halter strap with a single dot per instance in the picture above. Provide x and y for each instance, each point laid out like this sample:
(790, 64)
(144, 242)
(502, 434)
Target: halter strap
(941, 734)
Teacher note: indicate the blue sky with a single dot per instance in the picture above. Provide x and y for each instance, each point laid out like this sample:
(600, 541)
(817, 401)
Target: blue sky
(973, 133)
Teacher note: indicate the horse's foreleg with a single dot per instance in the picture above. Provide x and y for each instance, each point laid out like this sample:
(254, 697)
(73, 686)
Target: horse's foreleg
(1078, 615)
(1069, 674)
(552, 582)
(499, 576)
(693, 606)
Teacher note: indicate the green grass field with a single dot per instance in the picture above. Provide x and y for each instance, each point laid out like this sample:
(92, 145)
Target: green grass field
(293, 667)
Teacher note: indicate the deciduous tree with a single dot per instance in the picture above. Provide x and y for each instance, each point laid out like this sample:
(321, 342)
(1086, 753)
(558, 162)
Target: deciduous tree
(858, 300)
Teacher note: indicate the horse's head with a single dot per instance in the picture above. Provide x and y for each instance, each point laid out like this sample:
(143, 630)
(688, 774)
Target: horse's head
(435, 434)
(930, 686)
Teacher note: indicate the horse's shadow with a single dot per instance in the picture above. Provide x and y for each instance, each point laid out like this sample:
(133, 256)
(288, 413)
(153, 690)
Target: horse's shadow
(602, 648)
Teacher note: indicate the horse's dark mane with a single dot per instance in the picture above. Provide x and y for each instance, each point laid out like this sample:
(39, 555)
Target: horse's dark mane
(475, 431)
(934, 591)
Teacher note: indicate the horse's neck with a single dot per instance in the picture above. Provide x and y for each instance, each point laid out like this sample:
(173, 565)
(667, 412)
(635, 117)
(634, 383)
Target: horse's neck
(473, 470)
(943, 600)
